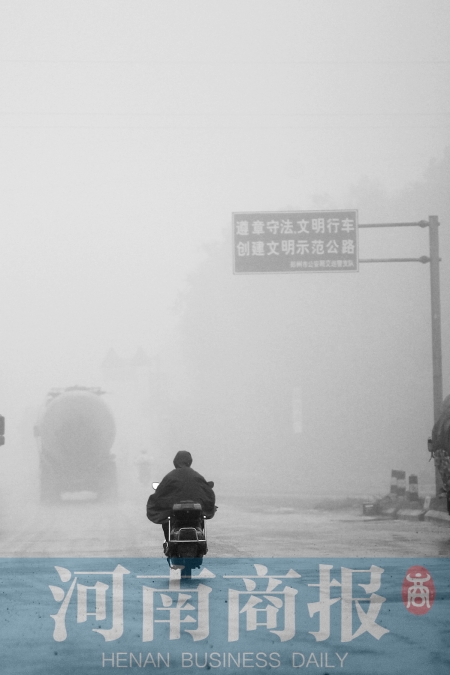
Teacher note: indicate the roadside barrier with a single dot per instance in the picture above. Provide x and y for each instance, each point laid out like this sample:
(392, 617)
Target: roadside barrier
(406, 504)
(413, 488)
(401, 483)
(394, 477)
(398, 483)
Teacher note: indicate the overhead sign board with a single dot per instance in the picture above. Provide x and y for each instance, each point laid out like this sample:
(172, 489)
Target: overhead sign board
(295, 241)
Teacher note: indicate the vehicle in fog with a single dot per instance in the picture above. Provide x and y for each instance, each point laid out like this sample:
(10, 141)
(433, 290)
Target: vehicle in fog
(75, 435)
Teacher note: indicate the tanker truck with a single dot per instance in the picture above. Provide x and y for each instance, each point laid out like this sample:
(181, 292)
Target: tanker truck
(75, 435)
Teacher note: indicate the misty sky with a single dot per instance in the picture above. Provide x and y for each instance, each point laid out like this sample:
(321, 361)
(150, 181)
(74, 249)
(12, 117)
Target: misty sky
(130, 131)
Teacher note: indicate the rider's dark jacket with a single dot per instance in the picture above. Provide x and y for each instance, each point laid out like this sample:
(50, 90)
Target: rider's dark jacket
(180, 484)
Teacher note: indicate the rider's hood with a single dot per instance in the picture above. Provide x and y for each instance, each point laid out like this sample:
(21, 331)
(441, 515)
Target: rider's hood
(182, 458)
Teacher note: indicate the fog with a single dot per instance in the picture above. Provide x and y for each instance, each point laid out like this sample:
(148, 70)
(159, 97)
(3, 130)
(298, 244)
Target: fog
(130, 133)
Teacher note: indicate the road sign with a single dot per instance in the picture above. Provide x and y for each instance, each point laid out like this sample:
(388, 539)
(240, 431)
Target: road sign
(295, 241)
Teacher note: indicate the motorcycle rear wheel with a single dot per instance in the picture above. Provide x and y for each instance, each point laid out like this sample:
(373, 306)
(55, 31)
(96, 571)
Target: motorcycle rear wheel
(187, 555)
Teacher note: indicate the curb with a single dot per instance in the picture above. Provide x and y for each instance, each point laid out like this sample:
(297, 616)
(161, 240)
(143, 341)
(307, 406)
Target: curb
(437, 516)
(390, 512)
(400, 511)
(411, 514)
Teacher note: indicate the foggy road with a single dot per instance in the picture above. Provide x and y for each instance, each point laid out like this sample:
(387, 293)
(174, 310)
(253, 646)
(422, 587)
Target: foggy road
(84, 529)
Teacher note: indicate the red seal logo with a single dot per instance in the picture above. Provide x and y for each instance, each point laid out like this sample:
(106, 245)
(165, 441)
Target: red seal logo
(418, 591)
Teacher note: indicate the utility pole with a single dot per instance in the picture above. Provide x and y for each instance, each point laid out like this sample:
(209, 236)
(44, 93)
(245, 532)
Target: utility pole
(438, 394)
(435, 316)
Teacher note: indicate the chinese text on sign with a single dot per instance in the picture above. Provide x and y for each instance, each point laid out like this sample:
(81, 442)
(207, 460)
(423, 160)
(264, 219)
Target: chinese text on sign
(295, 241)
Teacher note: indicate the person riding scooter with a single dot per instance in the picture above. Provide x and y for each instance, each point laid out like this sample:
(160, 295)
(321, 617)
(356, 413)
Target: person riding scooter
(183, 483)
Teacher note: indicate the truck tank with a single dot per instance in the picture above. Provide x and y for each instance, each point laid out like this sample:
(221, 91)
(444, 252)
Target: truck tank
(76, 433)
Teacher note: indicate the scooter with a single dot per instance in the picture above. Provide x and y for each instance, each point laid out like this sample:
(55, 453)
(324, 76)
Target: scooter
(187, 544)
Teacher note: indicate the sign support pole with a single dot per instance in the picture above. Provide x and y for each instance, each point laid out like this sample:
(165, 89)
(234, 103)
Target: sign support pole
(436, 343)
(264, 243)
